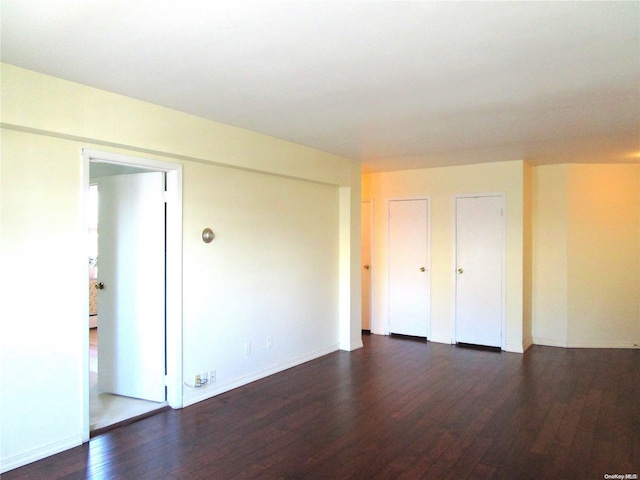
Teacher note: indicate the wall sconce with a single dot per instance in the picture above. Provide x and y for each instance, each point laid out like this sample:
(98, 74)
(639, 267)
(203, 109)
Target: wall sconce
(208, 235)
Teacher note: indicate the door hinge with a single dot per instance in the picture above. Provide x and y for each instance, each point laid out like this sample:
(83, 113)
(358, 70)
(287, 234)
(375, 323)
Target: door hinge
(165, 196)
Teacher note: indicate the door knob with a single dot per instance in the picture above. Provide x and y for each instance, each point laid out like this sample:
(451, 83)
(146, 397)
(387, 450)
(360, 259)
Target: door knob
(366, 267)
(422, 269)
(460, 270)
(100, 286)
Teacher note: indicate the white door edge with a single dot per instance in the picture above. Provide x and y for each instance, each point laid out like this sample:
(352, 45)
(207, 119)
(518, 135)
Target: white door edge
(372, 316)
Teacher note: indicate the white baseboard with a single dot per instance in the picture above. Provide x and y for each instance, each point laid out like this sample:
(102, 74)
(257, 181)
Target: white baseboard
(210, 391)
(355, 344)
(549, 342)
(615, 344)
(446, 340)
(39, 453)
(514, 348)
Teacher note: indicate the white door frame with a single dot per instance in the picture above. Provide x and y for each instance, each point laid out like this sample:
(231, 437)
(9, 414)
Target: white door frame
(173, 272)
(428, 266)
(503, 323)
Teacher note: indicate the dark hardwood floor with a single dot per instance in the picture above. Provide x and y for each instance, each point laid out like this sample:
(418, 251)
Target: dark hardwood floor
(396, 409)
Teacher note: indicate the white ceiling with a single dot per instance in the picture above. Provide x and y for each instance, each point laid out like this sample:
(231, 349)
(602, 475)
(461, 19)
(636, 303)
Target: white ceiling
(395, 85)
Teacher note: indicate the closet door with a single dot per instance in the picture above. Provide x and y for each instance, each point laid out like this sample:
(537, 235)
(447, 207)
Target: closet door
(479, 270)
(409, 301)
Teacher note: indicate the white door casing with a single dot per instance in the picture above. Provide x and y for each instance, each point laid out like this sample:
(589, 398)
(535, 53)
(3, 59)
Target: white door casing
(479, 264)
(409, 277)
(131, 246)
(173, 198)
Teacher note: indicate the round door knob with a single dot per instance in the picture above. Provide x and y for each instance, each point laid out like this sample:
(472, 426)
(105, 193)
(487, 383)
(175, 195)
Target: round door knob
(100, 286)
(460, 270)
(422, 269)
(208, 235)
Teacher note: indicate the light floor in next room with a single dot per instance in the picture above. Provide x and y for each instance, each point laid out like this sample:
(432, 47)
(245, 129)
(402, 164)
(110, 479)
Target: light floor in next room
(107, 409)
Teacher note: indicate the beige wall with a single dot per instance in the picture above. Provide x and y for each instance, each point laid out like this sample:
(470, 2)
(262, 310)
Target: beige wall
(573, 249)
(527, 256)
(587, 255)
(603, 206)
(40, 233)
(284, 264)
(49, 105)
(550, 283)
(441, 184)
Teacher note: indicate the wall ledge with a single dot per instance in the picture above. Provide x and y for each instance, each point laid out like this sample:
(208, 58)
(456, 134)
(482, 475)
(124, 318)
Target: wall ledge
(149, 152)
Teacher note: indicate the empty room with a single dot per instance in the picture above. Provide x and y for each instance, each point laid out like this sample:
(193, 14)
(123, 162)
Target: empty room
(319, 239)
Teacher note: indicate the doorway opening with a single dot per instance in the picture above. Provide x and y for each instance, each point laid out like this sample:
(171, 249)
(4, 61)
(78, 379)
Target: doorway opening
(110, 395)
(106, 408)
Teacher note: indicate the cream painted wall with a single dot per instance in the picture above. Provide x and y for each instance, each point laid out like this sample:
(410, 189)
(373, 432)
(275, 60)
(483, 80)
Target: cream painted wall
(441, 184)
(603, 265)
(527, 257)
(587, 255)
(41, 317)
(285, 262)
(350, 258)
(56, 107)
(272, 271)
(550, 283)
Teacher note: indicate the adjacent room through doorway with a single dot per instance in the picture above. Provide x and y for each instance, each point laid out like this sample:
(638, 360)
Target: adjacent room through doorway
(106, 406)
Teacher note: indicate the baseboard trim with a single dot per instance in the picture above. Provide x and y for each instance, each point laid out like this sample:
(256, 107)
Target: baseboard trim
(514, 348)
(619, 344)
(211, 391)
(630, 344)
(445, 340)
(39, 453)
(549, 342)
(354, 345)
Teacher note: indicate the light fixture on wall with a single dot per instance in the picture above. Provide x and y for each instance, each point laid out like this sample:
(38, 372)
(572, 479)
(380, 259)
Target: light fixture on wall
(208, 235)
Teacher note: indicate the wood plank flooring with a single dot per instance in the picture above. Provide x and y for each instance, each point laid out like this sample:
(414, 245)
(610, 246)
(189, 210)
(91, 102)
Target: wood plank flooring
(396, 409)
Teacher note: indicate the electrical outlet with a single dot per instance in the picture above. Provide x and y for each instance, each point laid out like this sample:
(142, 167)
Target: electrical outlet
(197, 380)
(212, 376)
(204, 378)
(269, 342)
